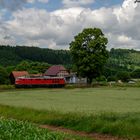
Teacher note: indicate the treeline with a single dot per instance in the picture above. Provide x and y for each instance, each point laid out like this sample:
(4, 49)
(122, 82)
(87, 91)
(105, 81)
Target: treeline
(30, 66)
(10, 56)
(124, 57)
(122, 64)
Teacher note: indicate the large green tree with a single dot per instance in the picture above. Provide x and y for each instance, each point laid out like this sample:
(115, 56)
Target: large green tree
(89, 53)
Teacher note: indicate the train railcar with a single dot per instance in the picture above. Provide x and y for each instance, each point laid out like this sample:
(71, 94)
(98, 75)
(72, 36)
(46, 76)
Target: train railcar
(50, 82)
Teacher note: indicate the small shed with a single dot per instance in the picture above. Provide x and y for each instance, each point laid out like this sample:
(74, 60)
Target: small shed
(57, 71)
(16, 74)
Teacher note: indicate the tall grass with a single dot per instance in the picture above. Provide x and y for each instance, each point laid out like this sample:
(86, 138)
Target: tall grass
(88, 100)
(123, 125)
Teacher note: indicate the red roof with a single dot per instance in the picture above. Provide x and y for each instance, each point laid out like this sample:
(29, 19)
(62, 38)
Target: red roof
(54, 70)
(19, 73)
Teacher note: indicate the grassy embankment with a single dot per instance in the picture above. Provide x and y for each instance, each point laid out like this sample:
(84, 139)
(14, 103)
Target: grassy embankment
(86, 110)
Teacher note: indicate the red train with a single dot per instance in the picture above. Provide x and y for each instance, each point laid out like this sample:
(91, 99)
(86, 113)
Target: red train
(52, 82)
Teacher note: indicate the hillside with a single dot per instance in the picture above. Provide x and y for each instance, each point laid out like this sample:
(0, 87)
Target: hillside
(14, 55)
(129, 59)
(119, 58)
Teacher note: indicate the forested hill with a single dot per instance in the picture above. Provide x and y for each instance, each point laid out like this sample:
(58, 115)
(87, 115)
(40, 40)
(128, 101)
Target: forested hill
(9, 56)
(124, 58)
(14, 55)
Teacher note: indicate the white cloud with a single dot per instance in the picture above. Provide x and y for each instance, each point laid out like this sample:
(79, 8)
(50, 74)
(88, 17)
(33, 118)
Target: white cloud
(38, 25)
(75, 3)
(124, 39)
(5, 38)
(57, 29)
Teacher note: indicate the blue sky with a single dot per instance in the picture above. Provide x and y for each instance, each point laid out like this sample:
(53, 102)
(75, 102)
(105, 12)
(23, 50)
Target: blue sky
(57, 4)
(54, 23)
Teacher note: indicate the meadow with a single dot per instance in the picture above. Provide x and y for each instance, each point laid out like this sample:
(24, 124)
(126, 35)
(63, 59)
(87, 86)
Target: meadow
(114, 111)
(86, 100)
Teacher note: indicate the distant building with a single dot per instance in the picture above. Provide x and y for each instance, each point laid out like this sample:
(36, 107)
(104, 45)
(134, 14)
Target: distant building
(57, 71)
(16, 74)
(60, 71)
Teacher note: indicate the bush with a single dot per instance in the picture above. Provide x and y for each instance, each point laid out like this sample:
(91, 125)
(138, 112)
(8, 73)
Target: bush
(123, 76)
(135, 73)
(3, 87)
(112, 78)
(101, 78)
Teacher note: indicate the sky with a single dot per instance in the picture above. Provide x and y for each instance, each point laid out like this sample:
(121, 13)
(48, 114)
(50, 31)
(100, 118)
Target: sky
(54, 23)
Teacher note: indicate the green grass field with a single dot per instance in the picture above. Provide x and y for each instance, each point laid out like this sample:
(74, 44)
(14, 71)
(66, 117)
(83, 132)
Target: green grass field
(88, 100)
(113, 111)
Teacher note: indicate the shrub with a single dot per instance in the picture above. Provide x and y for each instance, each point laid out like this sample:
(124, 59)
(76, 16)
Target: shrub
(112, 78)
(123, 76)
(4, 87)
(101, 78)
(135, 73)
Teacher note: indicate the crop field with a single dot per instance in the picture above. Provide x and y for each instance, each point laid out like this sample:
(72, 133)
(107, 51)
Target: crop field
(114, 111)
(19, 130)
(88, 100)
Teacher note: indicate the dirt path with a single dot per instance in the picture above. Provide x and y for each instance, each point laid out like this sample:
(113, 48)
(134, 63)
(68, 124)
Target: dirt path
(79, 133)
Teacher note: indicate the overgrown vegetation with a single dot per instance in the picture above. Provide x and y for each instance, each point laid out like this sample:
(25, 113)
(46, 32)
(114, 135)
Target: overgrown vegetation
(11, 129)
(117, 124)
